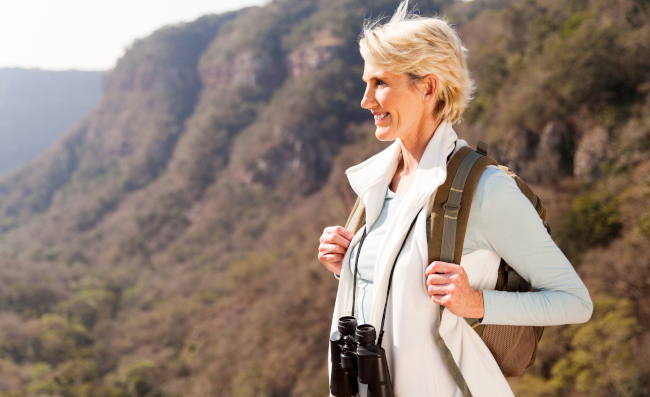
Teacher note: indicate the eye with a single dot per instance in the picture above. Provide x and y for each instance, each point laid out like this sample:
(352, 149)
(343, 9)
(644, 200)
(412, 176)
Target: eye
(380, 82)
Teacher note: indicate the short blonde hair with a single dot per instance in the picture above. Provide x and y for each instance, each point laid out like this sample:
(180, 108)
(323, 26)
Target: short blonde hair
(418, 46)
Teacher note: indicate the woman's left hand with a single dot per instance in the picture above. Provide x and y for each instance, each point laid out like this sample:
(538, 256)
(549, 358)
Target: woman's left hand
(448, 285)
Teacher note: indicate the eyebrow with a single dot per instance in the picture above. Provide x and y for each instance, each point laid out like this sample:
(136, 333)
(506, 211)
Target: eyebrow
(375, 77)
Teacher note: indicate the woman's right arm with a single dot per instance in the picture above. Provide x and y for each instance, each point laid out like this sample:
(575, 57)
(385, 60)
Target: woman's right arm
(334, 243)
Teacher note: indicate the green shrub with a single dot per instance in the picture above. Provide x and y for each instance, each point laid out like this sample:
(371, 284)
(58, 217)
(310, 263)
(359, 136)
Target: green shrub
(588, 223)
(644, 224)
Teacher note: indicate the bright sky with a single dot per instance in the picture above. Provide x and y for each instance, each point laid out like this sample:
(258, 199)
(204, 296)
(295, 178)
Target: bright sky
(89, 34)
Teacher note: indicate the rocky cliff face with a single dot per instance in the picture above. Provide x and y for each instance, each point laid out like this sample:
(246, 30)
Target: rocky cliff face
(302, 62)
(590, 154)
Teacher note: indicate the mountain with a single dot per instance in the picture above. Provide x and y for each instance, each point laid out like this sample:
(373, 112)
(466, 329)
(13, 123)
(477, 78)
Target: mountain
(166, 244)
(38, 106)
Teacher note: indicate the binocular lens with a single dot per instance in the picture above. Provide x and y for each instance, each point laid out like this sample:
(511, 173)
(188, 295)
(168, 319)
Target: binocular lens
(366, 335)
(347, 325)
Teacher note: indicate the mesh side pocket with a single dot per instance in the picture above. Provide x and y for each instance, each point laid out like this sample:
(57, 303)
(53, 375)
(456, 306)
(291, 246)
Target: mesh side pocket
(501, 278)
(511, 345)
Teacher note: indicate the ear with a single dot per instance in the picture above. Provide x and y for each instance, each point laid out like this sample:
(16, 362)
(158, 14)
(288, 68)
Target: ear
(430, 88)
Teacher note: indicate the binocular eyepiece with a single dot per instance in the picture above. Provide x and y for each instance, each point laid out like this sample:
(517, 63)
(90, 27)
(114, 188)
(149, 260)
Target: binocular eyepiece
(355, 355)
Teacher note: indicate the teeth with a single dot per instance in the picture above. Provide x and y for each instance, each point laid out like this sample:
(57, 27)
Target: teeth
(380, 116)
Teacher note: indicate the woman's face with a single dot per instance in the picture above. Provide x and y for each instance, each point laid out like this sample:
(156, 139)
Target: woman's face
(400, 107)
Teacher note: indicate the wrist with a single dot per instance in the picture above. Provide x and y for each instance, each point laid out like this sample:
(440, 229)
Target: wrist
(480, 307)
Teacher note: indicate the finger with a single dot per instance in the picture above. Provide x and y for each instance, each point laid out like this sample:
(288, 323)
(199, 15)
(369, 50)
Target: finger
(334, 238)
(332, 249)
(440, 267)
(434, 279)
(334, 267)
(333, 258)
(343, 232)
(438, 290)
(439, 299)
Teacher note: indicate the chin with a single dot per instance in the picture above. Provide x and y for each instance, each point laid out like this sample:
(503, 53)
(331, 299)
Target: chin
(383, 134)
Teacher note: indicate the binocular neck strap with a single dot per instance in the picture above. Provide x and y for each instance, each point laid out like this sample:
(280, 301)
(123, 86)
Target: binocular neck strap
(390, 281)
(356, 270)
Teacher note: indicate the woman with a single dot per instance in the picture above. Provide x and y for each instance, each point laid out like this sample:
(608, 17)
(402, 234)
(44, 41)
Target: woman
(417, 86)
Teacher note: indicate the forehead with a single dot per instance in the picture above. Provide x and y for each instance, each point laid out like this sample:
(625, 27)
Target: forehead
(370, 72)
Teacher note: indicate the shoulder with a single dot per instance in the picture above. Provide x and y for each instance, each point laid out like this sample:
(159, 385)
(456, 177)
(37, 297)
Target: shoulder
(495, 184)
(497, 204)
(498, 199)
(494, 176)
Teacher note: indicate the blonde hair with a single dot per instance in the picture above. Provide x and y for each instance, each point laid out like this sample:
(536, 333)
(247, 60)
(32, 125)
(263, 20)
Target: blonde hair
(419, 46)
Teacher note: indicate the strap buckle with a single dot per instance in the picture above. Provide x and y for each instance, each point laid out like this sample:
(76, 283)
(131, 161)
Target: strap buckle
(451, 208)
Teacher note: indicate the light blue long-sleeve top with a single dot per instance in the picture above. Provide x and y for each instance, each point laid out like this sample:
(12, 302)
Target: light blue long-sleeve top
(504, 221)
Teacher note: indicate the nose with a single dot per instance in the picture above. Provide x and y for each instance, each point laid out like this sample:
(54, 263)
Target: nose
(368, 101)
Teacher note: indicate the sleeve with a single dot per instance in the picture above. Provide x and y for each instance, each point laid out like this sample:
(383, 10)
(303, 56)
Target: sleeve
(510, 226)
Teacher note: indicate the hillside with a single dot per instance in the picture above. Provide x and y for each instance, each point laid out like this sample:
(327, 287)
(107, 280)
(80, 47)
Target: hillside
(38, 106)
(166, 244)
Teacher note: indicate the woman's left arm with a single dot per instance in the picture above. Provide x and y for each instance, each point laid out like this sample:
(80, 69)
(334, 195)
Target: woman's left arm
(510, 226)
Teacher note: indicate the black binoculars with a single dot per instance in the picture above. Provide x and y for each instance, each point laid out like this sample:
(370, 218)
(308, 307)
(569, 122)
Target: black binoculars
(355, 355)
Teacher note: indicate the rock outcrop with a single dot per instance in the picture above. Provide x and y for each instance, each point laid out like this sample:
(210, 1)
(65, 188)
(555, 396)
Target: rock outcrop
(589, 155)
(303, 61)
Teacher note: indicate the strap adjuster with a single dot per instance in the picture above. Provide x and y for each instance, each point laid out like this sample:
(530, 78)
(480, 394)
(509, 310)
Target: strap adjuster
(451, 208)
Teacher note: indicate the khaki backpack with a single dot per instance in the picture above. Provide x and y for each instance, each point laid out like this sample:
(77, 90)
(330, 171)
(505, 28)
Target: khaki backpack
(514, 347)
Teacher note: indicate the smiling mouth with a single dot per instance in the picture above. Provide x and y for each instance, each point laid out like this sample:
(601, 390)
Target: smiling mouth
(380, 116)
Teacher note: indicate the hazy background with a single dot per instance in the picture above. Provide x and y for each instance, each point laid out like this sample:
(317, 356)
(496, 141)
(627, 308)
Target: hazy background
(160, 214)
(60, 39)
(89, 35)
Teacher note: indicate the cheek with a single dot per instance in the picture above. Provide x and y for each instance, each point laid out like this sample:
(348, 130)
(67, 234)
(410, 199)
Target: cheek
(384, 99)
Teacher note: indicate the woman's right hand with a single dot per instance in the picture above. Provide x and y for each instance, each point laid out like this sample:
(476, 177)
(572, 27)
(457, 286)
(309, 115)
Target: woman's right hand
(333, 244)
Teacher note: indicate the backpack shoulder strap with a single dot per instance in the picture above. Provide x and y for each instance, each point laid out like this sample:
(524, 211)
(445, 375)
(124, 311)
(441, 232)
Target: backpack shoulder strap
(357, 217)
(448, 225)
(452, 205)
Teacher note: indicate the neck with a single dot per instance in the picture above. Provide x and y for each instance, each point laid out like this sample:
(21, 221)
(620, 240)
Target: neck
(413, 147)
